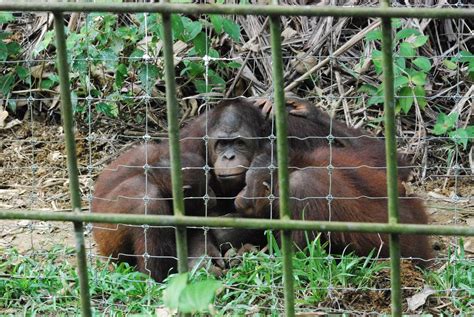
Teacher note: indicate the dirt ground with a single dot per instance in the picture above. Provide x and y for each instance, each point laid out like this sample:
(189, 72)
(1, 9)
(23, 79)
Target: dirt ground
(34, 176)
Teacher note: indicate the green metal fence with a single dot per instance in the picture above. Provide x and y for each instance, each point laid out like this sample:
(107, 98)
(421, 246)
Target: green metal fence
(285, 224)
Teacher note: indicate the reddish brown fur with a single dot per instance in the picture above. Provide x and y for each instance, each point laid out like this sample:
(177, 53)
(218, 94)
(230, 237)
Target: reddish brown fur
(311, 122)
(124, 178)
(352, 184)
(120, 189)
(118, 182)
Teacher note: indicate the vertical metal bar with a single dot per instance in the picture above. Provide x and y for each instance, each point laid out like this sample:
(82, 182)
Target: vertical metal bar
(173, 130)
(67, 114)
(282, 156)
(391, 159)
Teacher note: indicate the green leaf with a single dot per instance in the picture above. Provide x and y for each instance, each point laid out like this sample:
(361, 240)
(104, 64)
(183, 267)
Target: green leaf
(109, 58)
(6, 83)
(148, 74)
(420, 96)
(48, 39)
(12, 105)
(401, 63)
(117, 45)
(450, 65)
(47, 83)
(445, 123)
(3, 52)
(406, 50)
(72, 40)
(419, 41)
(451, 119)
(231, 28)
(191, 29)
(470, 131)
(369, 89)
(375, 100)
(177, 26)
(6, 17)
(13, 48)
(460, 136)
(137, 54)
(213, 53)
(195, 69)
(401, 81)
(423, 63)
(377, 60)
(216, 81)
(80, 64)
(466, 57)
(198, 296)
(22, 72)
(405, 99)
(200, 44)
(109, 109)
(128, 33)
(374, 35)
(120, 74)
(4, 35)
(234, 65)
(419, 79)
(173, 291)
(406, 33)
(396, 23)
(440, 128)
(217, 23)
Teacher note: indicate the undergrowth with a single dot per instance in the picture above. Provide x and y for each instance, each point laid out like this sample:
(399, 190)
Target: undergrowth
(46, 282)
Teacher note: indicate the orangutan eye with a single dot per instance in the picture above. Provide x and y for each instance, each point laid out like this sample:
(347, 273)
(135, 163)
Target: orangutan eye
(239, 142)
(223, 143)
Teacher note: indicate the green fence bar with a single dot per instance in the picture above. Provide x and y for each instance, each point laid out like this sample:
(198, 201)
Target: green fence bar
(173, 133)
(285, 223)
(74, 188)
(250, 223)
(391, 159)
(264, 10)
(282, 156)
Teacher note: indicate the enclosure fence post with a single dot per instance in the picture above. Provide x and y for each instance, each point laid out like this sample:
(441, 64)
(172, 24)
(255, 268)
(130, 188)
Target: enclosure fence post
(391, 159)
(173, 131)
(67, 115)
(282, 156)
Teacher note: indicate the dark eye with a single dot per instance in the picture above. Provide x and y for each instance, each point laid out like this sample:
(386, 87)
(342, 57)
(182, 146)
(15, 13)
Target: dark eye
(239, 142)
(221, 143)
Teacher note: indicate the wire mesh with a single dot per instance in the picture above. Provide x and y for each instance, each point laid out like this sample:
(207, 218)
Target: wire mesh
(335, 97)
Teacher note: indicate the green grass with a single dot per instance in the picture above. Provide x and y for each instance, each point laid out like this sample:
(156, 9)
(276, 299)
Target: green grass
(457, 277)
(46, 282)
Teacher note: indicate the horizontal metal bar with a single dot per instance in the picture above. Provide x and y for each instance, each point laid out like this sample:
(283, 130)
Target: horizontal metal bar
(249, 223)
(359, 11)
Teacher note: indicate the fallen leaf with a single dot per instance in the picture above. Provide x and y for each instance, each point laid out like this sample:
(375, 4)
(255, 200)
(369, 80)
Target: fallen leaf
(288, 33)
(163, 312)
(12, 123)
(419, 299)
(24, 223)
(3, 116)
